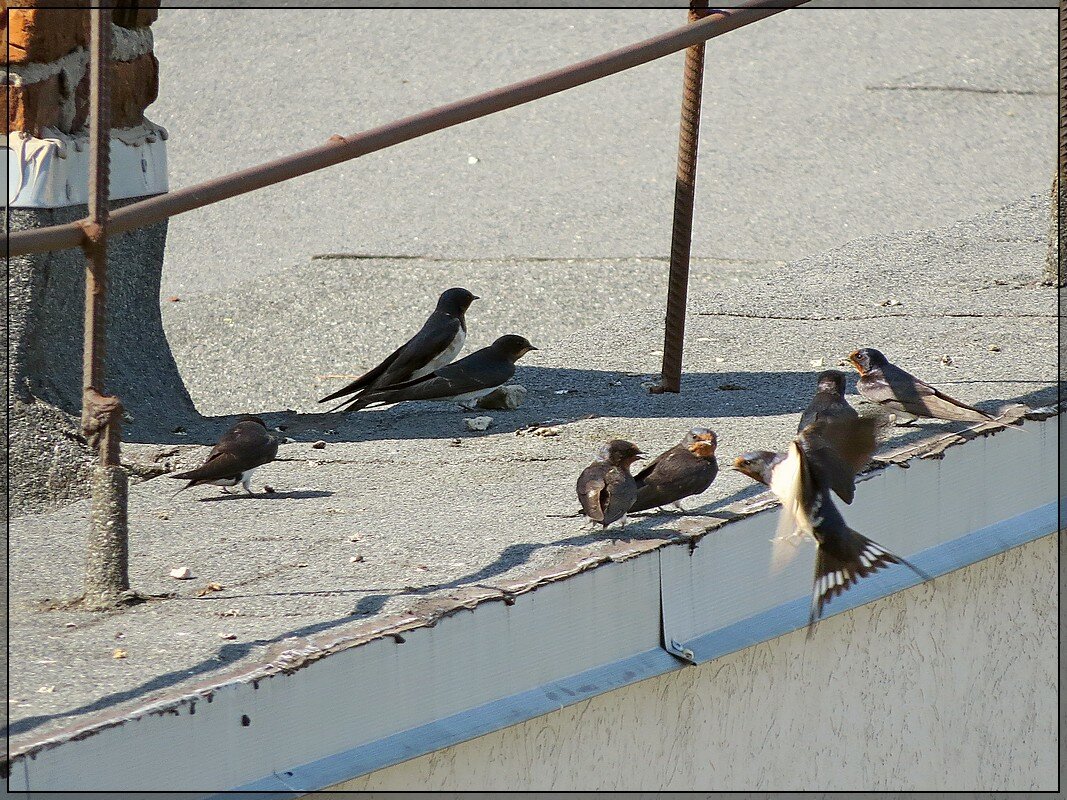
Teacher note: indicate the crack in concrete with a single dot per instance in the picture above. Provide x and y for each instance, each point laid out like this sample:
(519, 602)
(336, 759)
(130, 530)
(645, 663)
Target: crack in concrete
(861, 318)
(968, 89)
(528, 259)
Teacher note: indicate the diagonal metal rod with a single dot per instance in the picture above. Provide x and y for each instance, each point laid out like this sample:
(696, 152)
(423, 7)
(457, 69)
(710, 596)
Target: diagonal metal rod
(341, 149)
(107, 560)
(684, 195)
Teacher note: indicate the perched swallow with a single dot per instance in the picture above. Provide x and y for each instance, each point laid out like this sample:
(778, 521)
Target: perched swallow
(829, 401)
(463, 381)
(438, 342)
(242, 449)
(686, 469)
(606, 489)
(799, 479)
(889, 386)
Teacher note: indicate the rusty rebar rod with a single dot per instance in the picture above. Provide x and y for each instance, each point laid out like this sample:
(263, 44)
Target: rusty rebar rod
(107, 561)
(340, 149)
(684, 196)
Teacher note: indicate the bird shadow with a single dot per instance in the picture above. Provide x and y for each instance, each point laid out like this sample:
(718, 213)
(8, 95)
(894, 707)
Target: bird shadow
(651, 526)
(558, 394)
(298, 494)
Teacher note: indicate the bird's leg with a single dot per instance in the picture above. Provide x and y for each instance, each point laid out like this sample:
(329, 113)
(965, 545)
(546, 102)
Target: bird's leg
(678, 505)
(247, 484)
(225, 490)
(622, 522)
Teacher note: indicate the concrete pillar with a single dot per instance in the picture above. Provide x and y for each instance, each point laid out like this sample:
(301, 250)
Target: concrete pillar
(46, 143)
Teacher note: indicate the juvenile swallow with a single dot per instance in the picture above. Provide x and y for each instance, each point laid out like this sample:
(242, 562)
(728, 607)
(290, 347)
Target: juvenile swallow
(829, 401)
(887, 385)
(606, 489)
(241, 450)
(438, 342)
(686, 469)
(463, 381)
(798, 479)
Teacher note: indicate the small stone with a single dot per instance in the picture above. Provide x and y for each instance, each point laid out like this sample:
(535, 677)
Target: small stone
(818, 362)
(268, 489)
(163, 515)
(46, 689)
(354, 538)
(548, 431)
(301, 565)
(478, 423)
(947, 361)
(119, 653)
(319, 445)
(211, 587)
(456, 443)
(731, 387)
(614, 383)
(472, 160)
(228, 636)
(355, 559)
(230, 612)
(72, 625)
(719, 360)
(564, 391)
(503, 398)
(120, 635)
(890, 303)
(181, 573)
(173, 299)
(994, 348)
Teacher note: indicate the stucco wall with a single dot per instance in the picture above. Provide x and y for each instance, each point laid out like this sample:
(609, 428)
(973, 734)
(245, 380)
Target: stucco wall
(948, 686)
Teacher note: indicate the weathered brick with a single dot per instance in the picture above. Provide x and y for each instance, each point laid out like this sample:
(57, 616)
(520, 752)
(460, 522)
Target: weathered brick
(41, 35)
(134, 86)
(32, 107)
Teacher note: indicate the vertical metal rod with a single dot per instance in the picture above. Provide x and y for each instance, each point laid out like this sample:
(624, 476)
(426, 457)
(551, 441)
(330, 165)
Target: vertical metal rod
(682, 231)
(107, 562)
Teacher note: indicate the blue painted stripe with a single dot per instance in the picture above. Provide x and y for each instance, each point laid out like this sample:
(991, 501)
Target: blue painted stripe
(398, 747)
(464, 725)
(938, 560)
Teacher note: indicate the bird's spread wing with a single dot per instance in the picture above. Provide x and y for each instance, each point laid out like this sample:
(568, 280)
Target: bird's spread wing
(591, 484)
(837, 449)
(621, 493)
(787, 482)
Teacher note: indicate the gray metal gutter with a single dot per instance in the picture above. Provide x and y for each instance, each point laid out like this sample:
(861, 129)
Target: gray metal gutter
(323, 711)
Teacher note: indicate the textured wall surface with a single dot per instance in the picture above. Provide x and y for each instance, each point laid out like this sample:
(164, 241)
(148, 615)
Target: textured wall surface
(949, 686)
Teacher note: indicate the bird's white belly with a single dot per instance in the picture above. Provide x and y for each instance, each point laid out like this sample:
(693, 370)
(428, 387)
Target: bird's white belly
(226, 481)
(446, 357)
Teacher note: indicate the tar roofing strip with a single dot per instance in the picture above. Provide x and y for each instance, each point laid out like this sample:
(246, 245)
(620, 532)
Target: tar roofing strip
(290, 656)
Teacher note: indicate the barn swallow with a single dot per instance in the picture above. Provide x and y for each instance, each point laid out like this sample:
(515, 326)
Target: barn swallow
(463, 381)
(829, 401)
(242, 449)
(686, 469)
(887, 385)
(606, 489)
(438, 342)
(798, 479)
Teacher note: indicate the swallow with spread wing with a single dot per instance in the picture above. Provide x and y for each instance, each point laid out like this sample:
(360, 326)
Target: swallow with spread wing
(606, 489)
(822, 459)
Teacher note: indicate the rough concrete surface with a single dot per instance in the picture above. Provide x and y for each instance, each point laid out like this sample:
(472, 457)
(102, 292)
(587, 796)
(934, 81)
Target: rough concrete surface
(816, 133)
(403, 503)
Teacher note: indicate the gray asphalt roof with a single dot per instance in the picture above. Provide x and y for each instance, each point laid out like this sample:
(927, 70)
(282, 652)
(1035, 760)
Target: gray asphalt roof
(796, 159)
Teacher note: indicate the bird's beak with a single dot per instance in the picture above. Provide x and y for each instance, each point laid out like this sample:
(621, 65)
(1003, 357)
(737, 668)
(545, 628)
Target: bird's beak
(534, 348)
(475, 297)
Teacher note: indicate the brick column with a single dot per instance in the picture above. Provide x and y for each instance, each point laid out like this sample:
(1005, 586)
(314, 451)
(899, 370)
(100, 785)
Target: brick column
(46, 142)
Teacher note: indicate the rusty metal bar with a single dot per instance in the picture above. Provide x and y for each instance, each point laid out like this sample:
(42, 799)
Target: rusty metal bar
(340, 149)
(107, 562)
(684, 196)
